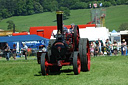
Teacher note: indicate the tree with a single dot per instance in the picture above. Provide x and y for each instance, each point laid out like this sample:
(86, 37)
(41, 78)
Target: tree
(123, 1)
(123, 26)
(68, 3)
(118, 2)
(5, 13)
(66, 12)
(85, 0)
(49, 5)
(37, 7)
(11, 25)
(0, 16)
(21, 8)
(113, 2)
(79, 5)
(29, 7)
(106, 4)
(10, 5)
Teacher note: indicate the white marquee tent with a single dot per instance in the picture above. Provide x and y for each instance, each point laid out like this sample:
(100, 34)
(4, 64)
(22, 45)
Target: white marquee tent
(93, 33)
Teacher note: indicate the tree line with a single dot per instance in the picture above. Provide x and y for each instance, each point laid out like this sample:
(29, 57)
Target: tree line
(10, 8)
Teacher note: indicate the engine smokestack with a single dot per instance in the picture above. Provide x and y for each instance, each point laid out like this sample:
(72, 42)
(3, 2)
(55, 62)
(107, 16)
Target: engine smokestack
(59, 22)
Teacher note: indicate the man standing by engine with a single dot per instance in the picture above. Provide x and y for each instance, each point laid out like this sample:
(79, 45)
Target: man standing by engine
(65, 29)
(71, 30)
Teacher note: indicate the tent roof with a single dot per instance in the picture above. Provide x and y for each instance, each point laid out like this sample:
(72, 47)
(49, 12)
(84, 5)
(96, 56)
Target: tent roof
(114, 31)
(93, 33)
(21, 38)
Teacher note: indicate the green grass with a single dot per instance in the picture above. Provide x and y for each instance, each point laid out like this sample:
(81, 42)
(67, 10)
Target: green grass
(109, 70)
(115, 15)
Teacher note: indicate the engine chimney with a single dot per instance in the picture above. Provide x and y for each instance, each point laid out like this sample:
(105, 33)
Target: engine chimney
(59, 22)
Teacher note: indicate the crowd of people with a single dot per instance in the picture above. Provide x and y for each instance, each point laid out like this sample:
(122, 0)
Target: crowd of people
(24, 51)
(108, 48)
(12, 52)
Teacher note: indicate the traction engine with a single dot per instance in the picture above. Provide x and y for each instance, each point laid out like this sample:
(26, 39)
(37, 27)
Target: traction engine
(66, 49)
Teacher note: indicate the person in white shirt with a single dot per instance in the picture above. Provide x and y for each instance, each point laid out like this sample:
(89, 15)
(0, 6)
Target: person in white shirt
(24, 49)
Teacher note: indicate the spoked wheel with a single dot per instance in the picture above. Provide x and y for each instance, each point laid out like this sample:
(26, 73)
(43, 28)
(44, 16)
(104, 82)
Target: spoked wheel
(84, 51)
(76, 63)
(44, 64)
(76, 37)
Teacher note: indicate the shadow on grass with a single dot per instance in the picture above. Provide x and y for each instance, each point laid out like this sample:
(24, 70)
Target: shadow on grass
(57, 72)
(51, 73)
(67, 71)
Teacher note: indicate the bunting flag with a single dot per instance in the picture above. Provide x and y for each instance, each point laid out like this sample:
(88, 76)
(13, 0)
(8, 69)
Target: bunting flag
(95, 5)
(100, 4)
(90, 5)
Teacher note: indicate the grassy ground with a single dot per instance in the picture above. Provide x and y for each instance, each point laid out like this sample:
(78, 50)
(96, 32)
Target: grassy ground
(105, 70)
(115, 15)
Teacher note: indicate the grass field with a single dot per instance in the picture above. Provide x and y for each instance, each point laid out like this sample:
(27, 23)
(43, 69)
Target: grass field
(115, 16)
(105, 70)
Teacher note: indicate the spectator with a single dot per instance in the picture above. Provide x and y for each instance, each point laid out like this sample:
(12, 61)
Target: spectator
(104, 49)
(115, 48)
(14, 51)
(108, 49)
(108, 46)
(42, 48)
(71, 30)
(99, 44)
(124, 47)
(94, 43)
(7, 52)
(92, 49)
(96, 50)
(29, 51)
(24, 49)
(108, 42)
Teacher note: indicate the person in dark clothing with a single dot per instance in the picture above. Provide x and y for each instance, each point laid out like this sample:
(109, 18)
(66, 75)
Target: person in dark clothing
(96, 50)
(115, 48)
(7, 52)
(108, 50)
(14, 51)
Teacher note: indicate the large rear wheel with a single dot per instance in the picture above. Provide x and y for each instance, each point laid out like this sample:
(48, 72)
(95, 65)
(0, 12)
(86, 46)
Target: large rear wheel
(44, 64)
(76, 63)
(84, 51)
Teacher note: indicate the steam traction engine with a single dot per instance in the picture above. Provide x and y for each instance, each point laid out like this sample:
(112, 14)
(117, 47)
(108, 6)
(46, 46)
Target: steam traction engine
(66, 49)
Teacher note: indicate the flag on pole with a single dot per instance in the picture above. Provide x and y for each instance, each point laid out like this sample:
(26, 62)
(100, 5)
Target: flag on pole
(95, 5)
(90, 5)
(100, 4)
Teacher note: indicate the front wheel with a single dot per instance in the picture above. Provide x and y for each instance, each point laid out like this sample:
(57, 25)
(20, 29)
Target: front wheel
(76, 63)
(44, 64)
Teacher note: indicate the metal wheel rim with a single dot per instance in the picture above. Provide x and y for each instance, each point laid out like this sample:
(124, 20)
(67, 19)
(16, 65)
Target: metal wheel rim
(44, 64)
